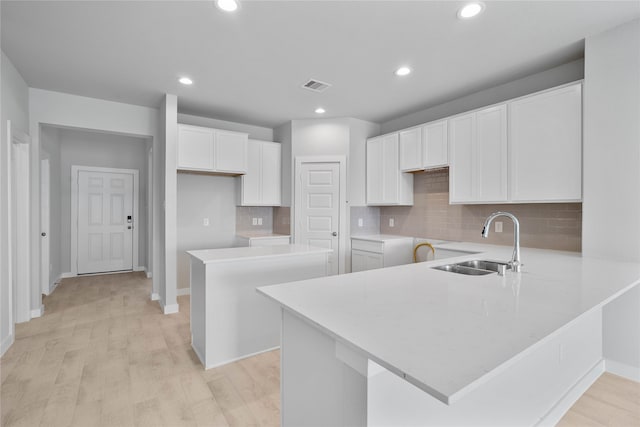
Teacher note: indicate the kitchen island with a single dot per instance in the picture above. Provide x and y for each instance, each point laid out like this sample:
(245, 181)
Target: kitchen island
(411, 345)
(229, 320)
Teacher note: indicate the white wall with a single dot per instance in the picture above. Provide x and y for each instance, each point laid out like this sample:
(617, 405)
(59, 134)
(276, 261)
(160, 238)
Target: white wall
(15, 107)
(566, 73)
(169, 118)
(79, 112)
(84, 148)
(611, 207)
(204, 196)
(50, 149)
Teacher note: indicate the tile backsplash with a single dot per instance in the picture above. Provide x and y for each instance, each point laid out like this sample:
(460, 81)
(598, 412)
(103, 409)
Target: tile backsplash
(245, 215)
(542, 225)
(281, 220)
(370, 216)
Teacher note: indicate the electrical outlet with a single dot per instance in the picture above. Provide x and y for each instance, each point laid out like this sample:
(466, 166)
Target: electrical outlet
(259, 221)
(254, 221)
(392, 222)
(498, 226)
(205, 222)
(360, 222)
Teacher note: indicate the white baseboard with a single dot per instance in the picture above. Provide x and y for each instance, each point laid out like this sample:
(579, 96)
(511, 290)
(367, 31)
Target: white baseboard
(139, 268)
(155, 296)
(148, 273)
(38, 312)
(6, 344)
(570, 397)
(183, 291)
(67, 275)
(170, 308)
(623, 370)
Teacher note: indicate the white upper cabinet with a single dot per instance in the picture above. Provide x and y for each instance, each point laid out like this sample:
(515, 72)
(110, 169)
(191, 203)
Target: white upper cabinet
(478, 162)
(260, 186)
(435, 151)
(231, 151)
(386, 183)
(424, 147)
(195, 147)
(411, 158)
(211, 150)
(545, 137)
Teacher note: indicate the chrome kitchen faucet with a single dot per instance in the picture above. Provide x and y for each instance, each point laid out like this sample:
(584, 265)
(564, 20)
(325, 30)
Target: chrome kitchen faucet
(515, 262)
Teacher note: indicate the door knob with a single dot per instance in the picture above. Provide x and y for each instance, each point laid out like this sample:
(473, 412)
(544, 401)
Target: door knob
(335, 233)
(43, 234)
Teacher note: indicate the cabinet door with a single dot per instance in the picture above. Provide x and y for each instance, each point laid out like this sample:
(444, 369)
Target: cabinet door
(250, 182)
(374, 170)
(271, 174)
(411, 150)
(195, 147)
(374, 261)
(390, 168)
(231, 152)
(435, 145)
(546, 146)
(358, 261)
(491, 154)
(461, 170)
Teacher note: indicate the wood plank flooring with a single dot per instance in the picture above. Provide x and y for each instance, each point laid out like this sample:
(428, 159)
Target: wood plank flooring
(105, 355)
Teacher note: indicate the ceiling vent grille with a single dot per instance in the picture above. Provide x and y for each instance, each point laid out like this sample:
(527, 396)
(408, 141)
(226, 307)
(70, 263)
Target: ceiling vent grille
(316, 85)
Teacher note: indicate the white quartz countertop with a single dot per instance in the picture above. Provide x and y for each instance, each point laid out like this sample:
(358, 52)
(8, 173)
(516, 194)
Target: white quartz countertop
(246, 253)
(259, 235)
(447, 333)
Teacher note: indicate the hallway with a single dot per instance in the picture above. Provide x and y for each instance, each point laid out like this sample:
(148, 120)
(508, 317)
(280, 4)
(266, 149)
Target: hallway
(104, 354)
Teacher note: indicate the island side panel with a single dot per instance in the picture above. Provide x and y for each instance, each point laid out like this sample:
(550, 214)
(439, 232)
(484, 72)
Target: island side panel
(198, 311)
(621, 322)
(317, 388)
(240, 322)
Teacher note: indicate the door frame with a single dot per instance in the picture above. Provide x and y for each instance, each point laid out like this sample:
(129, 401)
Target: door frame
(45, 226)
(19, 159)
(343, 229)
(75, 169)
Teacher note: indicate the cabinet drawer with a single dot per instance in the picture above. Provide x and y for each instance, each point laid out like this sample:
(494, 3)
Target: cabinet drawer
(367, 245)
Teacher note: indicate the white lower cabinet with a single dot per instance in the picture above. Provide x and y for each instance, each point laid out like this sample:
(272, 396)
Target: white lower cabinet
(371, 252)
(267, 240)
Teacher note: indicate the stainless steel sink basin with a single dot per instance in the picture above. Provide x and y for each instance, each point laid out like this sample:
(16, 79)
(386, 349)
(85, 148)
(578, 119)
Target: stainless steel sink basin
(475, 267)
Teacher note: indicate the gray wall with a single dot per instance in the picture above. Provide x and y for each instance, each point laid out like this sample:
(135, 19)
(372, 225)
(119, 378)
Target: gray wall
(50, 149)
(15, 107)
(84, 148)
(566, 73)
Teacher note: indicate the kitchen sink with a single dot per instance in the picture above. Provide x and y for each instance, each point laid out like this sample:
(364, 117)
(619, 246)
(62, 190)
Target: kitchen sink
(474, 267)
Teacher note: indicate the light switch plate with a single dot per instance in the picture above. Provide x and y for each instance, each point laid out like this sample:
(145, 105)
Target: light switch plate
(360, 222)
(392, 222)
(498, 226)
(259, 221)
(205, 222)
(254, 221)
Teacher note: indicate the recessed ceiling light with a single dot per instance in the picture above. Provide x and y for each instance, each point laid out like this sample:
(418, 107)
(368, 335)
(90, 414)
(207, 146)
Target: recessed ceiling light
(403, 71)
(185, 81)
(227, 5)
(470, 10)
(320, 110)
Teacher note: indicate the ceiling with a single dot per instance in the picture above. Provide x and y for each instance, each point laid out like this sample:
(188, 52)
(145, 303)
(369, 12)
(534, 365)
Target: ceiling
(248, 66)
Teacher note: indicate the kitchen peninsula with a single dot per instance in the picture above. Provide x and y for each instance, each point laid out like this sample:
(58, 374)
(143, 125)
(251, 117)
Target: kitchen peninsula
(229, 320)
(412, 345)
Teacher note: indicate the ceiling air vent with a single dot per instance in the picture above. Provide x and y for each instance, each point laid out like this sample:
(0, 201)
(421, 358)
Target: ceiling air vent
(316, 85)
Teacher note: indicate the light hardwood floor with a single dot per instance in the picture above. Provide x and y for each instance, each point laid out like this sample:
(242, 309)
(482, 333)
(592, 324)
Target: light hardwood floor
(104, 355)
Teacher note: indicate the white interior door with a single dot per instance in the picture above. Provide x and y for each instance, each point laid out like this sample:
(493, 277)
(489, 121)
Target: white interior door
(45, 203)
(105, 221)
(318, 213)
